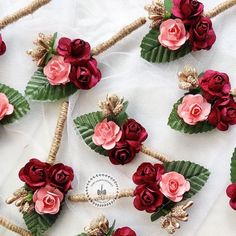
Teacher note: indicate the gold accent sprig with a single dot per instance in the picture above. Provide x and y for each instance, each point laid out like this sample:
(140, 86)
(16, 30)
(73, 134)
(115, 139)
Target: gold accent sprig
(170, 222)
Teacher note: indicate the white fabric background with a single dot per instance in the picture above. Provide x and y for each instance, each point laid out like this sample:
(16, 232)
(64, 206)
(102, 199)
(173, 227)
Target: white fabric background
(151, 90)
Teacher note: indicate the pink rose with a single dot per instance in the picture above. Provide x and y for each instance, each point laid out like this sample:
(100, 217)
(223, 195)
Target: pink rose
(107, 134)
(173, 34)
(5, 107)
(173, 185)
(194, 108)
(57, 71)
(47, 200)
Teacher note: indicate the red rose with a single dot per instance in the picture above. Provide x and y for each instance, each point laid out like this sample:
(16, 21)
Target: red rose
(223, 114)
(148, 197)
(148, 172)
(202, 35)
(61, 177)
(231, 193)
(122, 153)
(34, 174)
(214, 85)
(134, 133)
(187, 10)
(124, 231)
(73, 51)
(2, 46)
(85, 75)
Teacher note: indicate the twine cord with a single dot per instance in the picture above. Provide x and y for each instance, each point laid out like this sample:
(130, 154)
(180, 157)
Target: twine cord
(14, 228)
(118, 36)
(156, 155)
(32, 7)
(220, 8)
(58, 133)
(83, 198)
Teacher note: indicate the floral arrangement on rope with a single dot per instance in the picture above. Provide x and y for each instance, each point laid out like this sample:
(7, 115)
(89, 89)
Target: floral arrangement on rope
(68, 65)
(13, 105)
(231, 189)
(160, 189)
(100, 227)
(110, 132)
(178, 28)
(208, 104)
(42, 197)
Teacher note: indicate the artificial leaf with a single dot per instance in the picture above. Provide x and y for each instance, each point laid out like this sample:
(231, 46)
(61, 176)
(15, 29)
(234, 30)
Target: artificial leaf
(21, 106)
(233, 167)
(177, 123)
(111, 229)
(122, 116)
(162, 211)
(39, 89)
(85, 125)
(38, 224)
(153, 51)
(51, 50)
(197, 175)
(168, 5)
(82, 234)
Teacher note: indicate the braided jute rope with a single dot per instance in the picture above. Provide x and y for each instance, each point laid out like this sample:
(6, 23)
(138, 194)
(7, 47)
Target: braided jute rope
(118, 36)
(32, 7)
(220, 8)
(83, 198)
(58, 133)
(9, 225)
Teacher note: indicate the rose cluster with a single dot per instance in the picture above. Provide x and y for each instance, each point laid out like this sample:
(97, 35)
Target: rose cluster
(187, 23)
(5, 107)
(49, 184)
(73, 63)
(122, 143)
(214, 103)
(124, 231)
(231, 192)
(155, 187)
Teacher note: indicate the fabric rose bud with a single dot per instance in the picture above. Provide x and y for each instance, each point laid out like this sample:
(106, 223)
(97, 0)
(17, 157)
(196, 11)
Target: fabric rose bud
(194, 109)
(148, 172)
(148, 197)
(173, 185)
(73, 51)
(57, 71)
(231, 193)
(85, 74)
(173, 34)
(106, 134)
(2, 46)
(47, 200)
(223, 114)
(215, 85)
(187, 10)
(202, 35)
(5, 107)
(124, 231)
(34, 174)
(134, 133)
(122, 153)
(61, 177)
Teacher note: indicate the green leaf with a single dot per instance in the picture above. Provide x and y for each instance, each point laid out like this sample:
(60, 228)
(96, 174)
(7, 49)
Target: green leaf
(177, 123)
(83, 234)
(153, 51)
(39, 89)
(39, 224)
(168, 5)
(197, 176)
(21, 106)
(85, 125)
(233, 167)
(162, 211)
(122, 116)
(111, 229)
